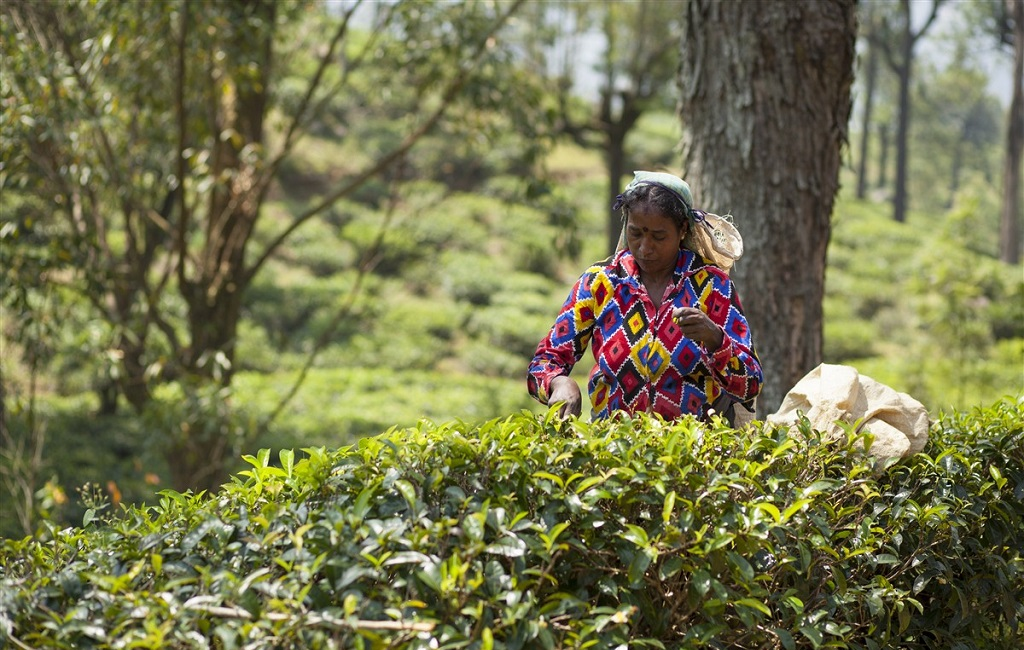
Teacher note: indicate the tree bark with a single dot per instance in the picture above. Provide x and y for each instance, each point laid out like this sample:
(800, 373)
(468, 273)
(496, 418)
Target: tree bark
(1010, 214)
(213, 292)
(765, 105)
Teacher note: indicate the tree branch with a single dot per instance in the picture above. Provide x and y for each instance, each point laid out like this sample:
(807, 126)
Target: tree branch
(346, 188)
(325, 620)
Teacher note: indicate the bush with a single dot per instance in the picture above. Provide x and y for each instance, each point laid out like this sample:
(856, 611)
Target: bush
(528, 532)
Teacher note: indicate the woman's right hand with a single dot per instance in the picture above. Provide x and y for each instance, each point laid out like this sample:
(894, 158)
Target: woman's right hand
(564, 389)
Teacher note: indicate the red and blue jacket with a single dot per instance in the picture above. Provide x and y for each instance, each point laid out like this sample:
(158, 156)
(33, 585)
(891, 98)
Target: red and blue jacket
(643, 363)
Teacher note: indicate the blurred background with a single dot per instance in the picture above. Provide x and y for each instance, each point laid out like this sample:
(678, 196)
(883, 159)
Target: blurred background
(229, 226)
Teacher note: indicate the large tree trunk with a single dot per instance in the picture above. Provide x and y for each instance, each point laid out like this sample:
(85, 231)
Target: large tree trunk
(1010, 217)
(765, 105)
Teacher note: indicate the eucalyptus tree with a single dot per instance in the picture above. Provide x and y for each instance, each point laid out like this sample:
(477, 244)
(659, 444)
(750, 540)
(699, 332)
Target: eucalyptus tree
(765, 105)
(998, 25)
(151, 135)
(869, 83)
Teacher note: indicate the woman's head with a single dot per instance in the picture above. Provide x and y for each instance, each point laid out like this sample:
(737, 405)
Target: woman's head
(656, 194)
(712, 237)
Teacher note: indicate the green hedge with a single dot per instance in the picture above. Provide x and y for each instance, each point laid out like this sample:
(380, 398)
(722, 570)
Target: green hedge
(527, 532)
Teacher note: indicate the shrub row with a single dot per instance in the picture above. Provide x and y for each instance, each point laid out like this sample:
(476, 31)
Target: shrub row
(529, 532)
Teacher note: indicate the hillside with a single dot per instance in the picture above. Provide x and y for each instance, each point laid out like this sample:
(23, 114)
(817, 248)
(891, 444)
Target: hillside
(463, 285)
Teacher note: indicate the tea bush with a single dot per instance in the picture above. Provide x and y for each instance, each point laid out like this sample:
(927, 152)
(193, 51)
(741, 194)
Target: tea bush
(530, 532)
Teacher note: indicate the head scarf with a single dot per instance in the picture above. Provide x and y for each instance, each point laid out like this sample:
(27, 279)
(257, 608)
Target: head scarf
(712, 237)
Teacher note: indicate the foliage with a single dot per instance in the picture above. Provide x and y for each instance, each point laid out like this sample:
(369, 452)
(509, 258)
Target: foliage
(532, 532)
(924, 306)
(148, 141)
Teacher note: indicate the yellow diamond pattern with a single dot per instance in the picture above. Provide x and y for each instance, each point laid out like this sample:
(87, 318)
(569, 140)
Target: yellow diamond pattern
(636, 323)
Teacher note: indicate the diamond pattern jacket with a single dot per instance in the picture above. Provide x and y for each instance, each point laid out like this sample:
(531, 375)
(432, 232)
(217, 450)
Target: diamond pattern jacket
(643, 363)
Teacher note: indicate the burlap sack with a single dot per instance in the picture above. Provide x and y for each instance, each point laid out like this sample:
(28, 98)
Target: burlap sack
(832, 393)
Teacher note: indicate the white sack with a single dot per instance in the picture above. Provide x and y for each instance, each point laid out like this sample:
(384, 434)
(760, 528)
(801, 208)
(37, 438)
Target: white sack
(831, 393)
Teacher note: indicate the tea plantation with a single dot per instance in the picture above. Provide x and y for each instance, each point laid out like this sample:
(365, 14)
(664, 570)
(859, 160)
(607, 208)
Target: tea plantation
(531, 532)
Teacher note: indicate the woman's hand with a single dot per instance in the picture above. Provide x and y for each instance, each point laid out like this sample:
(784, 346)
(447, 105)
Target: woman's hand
(564, 389)
(698, 326)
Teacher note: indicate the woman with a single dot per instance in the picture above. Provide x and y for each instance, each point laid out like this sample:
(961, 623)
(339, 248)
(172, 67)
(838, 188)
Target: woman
(665, 323)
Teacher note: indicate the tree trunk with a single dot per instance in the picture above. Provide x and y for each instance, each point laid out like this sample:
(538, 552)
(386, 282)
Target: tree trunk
(214, 290)
(765, 105)
(870, 78)
(616, 126)
(899, 197)
(1010, 214)
(615, 151)
(955, 168)
(883, 156)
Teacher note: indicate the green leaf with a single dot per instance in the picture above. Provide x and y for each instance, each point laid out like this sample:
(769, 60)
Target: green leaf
(701, 582)
(636, 534)
(362, 504)
(754, 604)
(720, 541)
(795, 507)
(770, 509)
(785, 638)
(508, 546)
(741, 565)
(557, 480)
(813, 635)
(638, 567)
(408, 492)
(818, 487)
(670, 504)
(287, 457)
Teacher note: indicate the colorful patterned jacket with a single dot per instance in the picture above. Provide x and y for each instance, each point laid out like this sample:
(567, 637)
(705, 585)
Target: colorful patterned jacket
(643, 362)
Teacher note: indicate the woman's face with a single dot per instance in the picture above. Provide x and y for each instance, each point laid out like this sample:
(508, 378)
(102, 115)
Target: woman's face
(653, 238)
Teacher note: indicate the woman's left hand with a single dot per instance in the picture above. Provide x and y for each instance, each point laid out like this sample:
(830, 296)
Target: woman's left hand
(698, 326)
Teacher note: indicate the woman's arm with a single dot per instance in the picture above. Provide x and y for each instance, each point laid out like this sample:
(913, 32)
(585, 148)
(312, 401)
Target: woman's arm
(734, 362)
(564, 345)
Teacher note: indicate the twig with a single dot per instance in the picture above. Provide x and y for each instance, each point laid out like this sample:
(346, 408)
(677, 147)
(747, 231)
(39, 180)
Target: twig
(221, 611)
(19, 643)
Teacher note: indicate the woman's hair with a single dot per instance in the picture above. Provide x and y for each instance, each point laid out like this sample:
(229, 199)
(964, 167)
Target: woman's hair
(666, 201)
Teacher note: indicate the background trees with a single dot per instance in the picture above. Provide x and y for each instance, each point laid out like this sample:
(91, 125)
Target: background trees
(897, 35)
(424, 187)
(157, 135)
